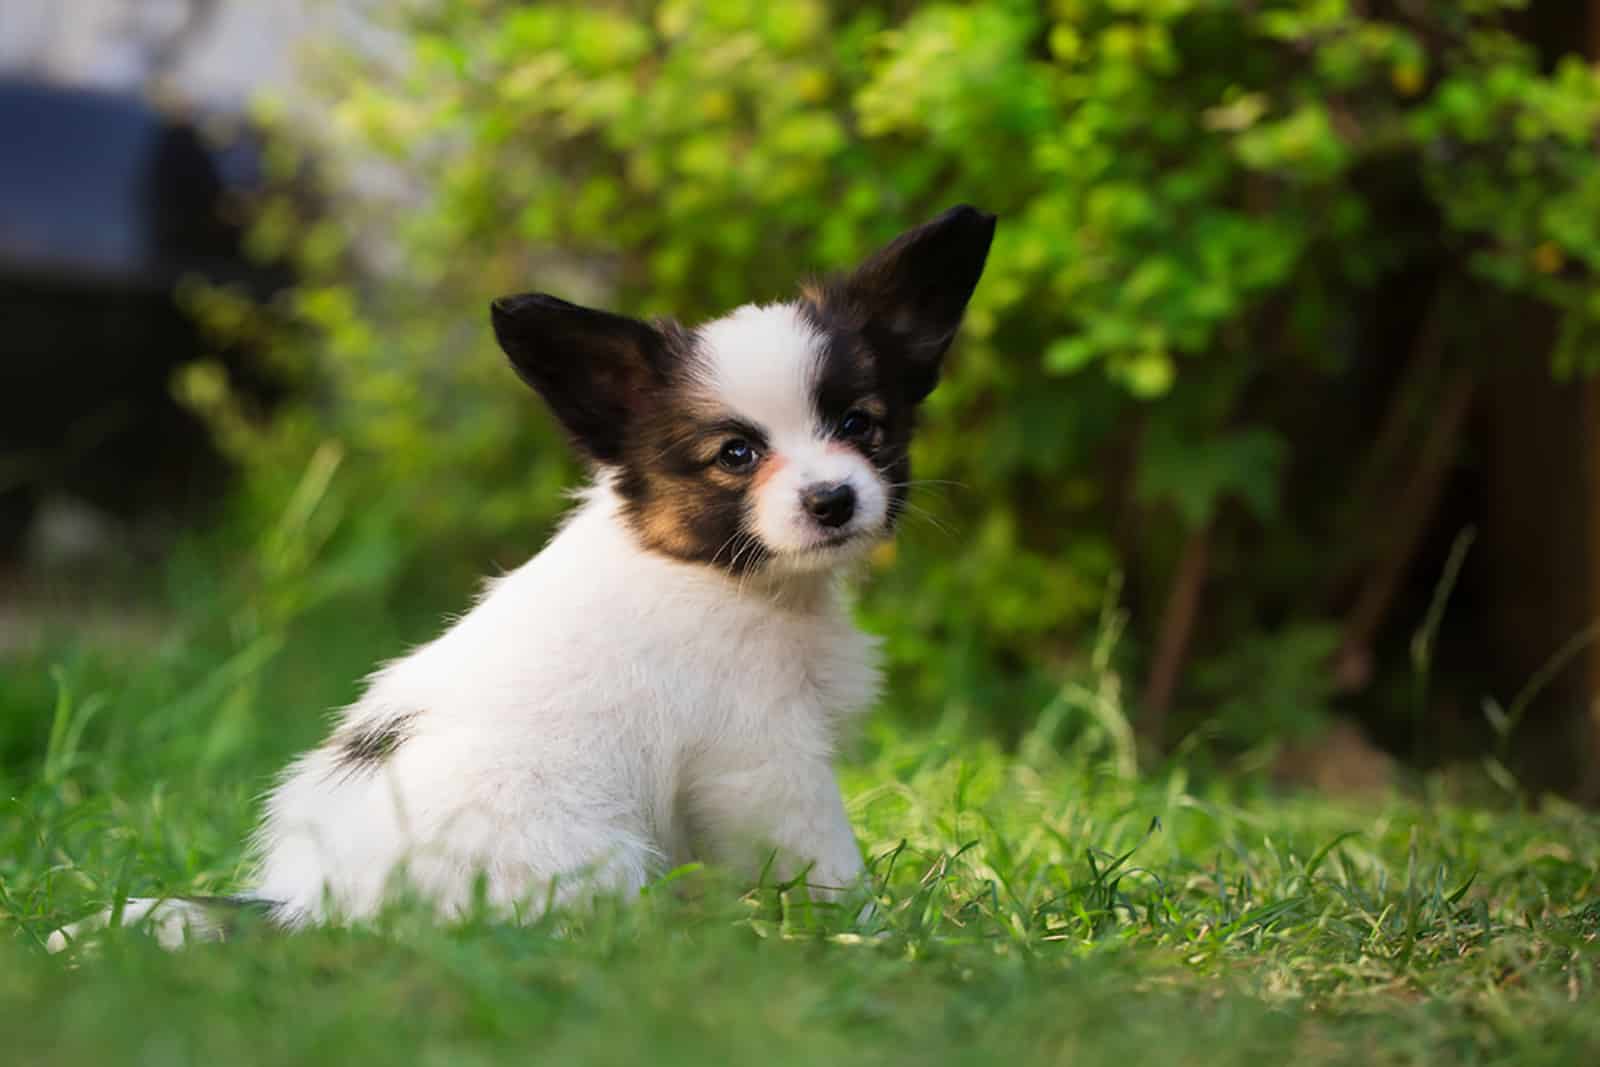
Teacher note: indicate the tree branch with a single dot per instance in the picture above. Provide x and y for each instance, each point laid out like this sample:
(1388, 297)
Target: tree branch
(1177, 630)
(1352, 664)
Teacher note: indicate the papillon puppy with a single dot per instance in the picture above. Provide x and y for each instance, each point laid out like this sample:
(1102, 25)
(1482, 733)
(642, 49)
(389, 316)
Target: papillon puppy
(666, 680)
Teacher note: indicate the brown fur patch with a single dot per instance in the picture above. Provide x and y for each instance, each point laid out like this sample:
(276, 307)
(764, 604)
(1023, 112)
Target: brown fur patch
(677, 498)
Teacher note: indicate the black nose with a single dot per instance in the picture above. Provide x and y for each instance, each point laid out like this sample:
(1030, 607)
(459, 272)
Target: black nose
(831, 505)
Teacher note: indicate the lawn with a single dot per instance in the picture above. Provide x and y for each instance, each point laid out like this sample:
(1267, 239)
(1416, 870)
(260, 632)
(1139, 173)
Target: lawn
(1039, 904)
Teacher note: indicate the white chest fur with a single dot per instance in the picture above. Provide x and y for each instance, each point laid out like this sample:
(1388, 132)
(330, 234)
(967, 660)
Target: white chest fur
(601, 714)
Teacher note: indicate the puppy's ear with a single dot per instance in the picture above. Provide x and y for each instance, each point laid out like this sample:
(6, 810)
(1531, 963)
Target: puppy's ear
(596, 370)
(909, 296)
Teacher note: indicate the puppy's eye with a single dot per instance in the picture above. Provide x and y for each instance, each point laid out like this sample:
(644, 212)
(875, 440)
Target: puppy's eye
(857, 424)
(737, 455)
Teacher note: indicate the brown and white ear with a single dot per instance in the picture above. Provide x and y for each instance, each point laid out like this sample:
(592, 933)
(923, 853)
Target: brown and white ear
(595, 370)
(909, 296)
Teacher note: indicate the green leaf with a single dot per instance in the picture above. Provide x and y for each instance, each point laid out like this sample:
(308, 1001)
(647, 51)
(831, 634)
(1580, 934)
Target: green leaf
(1195, 475)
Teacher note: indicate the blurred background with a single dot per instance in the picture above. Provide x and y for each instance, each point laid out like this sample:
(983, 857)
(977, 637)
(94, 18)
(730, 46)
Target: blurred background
(1270, 444)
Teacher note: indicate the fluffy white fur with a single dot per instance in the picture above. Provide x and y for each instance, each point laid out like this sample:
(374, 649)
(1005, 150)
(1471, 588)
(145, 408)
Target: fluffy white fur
(604, 712)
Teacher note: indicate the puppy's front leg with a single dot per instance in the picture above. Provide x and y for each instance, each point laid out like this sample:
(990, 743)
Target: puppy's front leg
(741, 814)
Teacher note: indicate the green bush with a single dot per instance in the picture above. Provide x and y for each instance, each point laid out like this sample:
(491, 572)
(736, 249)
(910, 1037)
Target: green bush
(1196, 200)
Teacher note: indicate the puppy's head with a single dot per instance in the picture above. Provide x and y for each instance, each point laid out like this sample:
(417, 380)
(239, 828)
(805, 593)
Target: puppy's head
(774, 438)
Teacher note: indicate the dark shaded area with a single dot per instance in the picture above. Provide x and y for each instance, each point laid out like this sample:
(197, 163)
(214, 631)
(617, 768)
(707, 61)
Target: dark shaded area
(106, 204)
(1521, 478)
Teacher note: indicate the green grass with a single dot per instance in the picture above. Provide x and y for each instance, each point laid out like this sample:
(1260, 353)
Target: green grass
(1041, 905)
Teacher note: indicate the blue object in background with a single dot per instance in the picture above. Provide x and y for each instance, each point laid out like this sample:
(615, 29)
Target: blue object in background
(106, 203)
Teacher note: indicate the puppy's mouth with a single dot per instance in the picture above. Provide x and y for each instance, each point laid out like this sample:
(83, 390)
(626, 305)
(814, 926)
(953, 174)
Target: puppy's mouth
(826, 551)
(843, 542)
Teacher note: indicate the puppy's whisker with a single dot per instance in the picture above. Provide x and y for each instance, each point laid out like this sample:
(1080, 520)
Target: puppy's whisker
(918, 483)
(744, 575)
(715, 556)
(923, 515)
(936, 491)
